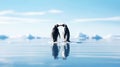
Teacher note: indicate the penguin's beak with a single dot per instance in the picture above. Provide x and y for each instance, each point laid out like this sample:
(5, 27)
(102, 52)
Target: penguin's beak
(60, 25)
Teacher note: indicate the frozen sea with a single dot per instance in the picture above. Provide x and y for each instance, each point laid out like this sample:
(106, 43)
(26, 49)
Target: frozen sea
(43, 53)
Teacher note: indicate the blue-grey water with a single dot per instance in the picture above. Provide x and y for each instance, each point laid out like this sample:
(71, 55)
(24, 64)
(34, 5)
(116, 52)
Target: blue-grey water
(43, 53)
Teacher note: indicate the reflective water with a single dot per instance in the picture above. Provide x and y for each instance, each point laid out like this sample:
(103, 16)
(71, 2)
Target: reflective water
(41, 53)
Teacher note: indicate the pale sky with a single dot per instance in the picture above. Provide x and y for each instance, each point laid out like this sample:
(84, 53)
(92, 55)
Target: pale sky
(37, 17)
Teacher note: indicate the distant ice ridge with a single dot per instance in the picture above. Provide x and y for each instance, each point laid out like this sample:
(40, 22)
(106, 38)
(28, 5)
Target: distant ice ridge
(30, 37)
(80, 37)
(23, 37)
(84, 37)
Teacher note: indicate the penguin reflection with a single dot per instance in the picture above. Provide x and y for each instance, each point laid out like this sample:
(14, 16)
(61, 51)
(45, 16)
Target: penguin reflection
(55, 50)
(66, 50)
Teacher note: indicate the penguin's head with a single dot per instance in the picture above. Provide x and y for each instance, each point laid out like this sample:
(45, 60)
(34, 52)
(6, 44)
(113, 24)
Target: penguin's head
(64, 25)
(56, 25)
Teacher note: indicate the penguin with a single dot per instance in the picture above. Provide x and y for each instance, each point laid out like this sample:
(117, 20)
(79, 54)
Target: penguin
(55, 33)
(66, 33)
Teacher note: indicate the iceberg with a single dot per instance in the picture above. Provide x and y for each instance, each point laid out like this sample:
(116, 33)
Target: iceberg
(38, 37)
(82, 36)
(3, 37)
(30, 37)
(97, 37)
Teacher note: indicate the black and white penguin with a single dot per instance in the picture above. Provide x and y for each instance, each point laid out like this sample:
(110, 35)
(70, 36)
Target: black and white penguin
(66, 33)
(55, 33)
